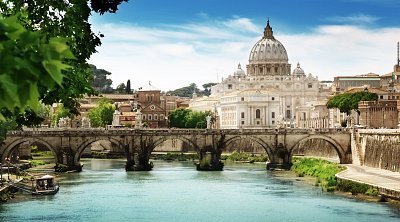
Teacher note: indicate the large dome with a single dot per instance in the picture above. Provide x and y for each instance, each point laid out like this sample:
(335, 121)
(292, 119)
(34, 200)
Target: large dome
(268, 56)
(268, 50)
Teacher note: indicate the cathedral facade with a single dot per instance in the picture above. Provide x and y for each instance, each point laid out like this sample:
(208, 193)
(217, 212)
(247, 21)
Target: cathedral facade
(268, 95)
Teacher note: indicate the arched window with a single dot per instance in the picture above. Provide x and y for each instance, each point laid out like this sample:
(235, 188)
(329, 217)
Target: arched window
(258, 113)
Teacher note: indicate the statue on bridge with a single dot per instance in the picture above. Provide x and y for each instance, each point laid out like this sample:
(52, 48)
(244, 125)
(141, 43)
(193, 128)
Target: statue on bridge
(208, 119)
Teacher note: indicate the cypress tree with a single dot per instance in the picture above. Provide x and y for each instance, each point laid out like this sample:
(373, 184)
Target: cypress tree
(128, 86)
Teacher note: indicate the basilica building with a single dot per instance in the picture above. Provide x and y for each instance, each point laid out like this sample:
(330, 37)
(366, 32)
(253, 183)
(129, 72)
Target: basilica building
(269, 95)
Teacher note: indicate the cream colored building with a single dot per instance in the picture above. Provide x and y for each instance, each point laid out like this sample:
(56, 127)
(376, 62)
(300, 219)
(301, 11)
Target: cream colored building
(268, 95)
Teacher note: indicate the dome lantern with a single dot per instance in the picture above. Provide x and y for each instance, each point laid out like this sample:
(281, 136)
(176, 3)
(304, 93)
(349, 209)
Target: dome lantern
(268, 33)
(268, 56)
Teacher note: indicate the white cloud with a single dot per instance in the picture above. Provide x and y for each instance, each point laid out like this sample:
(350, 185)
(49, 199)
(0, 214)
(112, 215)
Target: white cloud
(173, 56)
(344, 50)
(358, 19)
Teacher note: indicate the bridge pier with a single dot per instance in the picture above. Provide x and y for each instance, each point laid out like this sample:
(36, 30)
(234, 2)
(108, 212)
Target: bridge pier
(66, 162)
(280, 159)
(209, 162)
(138, 162)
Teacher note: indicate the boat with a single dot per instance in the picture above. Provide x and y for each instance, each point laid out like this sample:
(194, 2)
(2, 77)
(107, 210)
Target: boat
(45, 185)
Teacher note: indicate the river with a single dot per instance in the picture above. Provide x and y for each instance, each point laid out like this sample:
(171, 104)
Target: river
(175, 191)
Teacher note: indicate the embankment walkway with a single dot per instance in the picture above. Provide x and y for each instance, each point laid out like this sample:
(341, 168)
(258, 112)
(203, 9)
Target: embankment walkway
(387, 182)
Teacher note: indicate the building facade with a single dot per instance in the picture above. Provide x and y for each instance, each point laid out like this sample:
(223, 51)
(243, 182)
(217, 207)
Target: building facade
(268, 95)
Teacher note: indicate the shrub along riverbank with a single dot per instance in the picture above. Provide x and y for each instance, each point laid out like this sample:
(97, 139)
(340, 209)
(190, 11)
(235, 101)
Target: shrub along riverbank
(325, 172)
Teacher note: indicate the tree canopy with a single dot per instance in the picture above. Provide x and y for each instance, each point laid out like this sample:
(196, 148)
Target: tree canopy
(28, 63)
(186, 91)
(346, 102)
(33, 43)
(102, 114)
(101, 83)
(186, 118)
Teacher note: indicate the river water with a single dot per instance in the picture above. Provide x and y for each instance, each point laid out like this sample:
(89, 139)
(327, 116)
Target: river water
(175, 191)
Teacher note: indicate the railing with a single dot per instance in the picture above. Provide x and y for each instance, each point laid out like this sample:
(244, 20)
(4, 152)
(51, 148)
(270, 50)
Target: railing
(132, 131)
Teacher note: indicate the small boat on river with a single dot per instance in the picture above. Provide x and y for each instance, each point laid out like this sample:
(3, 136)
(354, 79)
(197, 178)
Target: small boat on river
(45, 185)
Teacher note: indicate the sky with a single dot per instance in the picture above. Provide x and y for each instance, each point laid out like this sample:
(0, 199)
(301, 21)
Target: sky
(173, 43)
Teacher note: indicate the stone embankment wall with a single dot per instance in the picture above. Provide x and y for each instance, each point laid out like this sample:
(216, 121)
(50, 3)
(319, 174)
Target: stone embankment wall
(379, 148)
(317, 148)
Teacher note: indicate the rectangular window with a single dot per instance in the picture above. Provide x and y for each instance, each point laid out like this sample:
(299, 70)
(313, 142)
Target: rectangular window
(242, 114)
(144, 117)
(273, 115)
(149, 117)
(309, 85)
(380, 97)
(242, 122)
(288, 113)
(273, 122)
(273, 98)
(161, 116)
(229, 86)
(242, 99)
(155, 117)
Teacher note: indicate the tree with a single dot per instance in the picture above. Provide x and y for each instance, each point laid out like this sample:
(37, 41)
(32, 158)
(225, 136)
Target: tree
(186, 91)
(48, 20)
(61, 112)
(346, 102)
(28, 63)
(196, 119)
(121, 88)
(128, 87)
(186, 118)
(102, 114)
(207, 88)
(100, 82)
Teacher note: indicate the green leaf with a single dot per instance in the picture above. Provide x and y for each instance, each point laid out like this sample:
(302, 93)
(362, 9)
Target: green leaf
(54, 68)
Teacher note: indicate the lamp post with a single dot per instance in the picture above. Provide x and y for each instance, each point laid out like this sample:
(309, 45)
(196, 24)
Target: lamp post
(8, 168)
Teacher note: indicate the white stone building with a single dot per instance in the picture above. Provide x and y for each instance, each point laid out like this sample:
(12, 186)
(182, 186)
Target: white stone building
(268, 95)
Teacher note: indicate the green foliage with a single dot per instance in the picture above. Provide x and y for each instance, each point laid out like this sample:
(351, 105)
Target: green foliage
(176, 156)
(121, 88)
(186, 91)
(38, 54)
(102, 115)
(349, 101)
(324, 170)
(205, 163)
(61, 112)
(128, 89)
(38, 163)
(29, 61)
(245, 157)
(101, 83)
(186, 118)
(177, 117)
(207, 88)
(353, 187)
(5, 126)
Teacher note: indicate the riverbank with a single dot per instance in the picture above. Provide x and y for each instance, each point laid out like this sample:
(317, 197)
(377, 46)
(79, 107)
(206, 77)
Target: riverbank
(326, 174)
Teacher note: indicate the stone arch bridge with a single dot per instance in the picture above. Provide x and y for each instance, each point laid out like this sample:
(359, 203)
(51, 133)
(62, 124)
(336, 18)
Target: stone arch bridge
(138, 144)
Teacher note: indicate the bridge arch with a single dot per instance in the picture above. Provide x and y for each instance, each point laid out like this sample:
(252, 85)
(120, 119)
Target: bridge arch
(339, 149)
(10, 147)
(259, 141)
(89, 141)
(175, 137)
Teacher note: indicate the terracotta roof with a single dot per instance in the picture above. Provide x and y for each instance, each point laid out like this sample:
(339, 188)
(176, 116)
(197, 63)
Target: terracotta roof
(370, 89)
(115, 96)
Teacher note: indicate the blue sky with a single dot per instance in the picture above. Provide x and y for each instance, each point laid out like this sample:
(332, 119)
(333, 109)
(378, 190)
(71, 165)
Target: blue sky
(173, 43)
